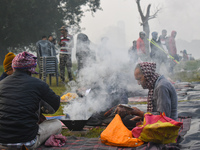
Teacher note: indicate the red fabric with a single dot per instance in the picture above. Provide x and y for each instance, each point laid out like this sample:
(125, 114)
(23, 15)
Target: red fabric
(151, 119)
(172, 44)
(56, 140)
(141, 46)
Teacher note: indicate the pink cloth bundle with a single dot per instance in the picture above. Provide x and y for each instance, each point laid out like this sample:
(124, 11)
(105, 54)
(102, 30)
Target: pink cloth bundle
(56, 140)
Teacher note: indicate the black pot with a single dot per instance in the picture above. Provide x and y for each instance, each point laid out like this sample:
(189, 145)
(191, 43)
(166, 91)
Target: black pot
(74, 125)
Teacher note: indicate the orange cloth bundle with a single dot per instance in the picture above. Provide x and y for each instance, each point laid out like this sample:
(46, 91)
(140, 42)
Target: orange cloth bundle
(116, 134)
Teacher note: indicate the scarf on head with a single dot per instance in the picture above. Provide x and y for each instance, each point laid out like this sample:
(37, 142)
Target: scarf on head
(7, 63)
(26, 61)
(148, 69)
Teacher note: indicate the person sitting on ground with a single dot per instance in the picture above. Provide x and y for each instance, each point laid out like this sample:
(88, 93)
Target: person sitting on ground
(7, 65)
(162, 96)
(21, 96)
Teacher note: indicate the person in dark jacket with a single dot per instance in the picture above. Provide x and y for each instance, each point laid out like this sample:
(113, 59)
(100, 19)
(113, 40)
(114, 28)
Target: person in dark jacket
(157, 53)
(52, 40)
(132, 52)
(7, 65)
(82, 50)
(21, 97)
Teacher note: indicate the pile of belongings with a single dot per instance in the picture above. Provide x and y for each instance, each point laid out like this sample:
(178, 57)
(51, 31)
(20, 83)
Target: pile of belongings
(157, 129)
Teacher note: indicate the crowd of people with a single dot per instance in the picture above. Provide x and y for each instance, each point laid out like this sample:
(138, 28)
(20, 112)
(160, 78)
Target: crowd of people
(162, 50)
(24, 98)
(46, 47)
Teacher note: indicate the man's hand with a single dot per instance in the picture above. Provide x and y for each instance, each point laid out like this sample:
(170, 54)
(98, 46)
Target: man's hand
(137, 112)
(136, 118)
(123, 111)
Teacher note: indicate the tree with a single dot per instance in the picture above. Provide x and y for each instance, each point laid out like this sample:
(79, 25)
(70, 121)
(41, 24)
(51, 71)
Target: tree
(145, 21)
(23, 22)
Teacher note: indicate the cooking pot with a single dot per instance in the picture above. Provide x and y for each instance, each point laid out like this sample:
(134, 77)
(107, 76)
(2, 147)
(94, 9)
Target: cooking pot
(74, 125)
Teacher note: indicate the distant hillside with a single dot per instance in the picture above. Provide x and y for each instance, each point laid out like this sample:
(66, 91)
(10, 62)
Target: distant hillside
(192, 47)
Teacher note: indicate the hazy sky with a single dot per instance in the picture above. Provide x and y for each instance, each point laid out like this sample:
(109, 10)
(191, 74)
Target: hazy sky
(180, 15)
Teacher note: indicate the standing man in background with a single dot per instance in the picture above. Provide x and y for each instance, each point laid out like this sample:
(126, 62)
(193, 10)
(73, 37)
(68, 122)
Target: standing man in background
(162, 40)
(157, 55)
(141, 51)
(172, 51)
(66, 44)
(53, 43)
(133, 53)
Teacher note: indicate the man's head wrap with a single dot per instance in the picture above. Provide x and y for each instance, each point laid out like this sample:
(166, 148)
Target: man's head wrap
(25, 61)
(148, 70)
(7, 63)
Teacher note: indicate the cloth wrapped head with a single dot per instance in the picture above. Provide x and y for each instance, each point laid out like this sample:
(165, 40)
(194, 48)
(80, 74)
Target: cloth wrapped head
(7, 63)
(148, 70)
(25, 61)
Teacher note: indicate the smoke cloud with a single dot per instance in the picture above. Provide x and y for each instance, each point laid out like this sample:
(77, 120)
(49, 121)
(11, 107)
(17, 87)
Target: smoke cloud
(110, 74)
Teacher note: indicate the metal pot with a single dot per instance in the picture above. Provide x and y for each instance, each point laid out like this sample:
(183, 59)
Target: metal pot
(74, 125)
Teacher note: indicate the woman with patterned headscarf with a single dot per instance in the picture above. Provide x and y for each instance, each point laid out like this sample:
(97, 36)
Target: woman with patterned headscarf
(162, 96)
(20, 98)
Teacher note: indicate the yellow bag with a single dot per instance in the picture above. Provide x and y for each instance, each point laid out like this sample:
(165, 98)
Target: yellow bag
(157, 129)
(116, 134)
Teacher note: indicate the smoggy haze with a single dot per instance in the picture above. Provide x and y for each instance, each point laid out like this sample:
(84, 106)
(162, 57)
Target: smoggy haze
(179, 15)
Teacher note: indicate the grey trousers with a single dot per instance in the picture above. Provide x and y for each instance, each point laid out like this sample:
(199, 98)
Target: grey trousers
(46, 129)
